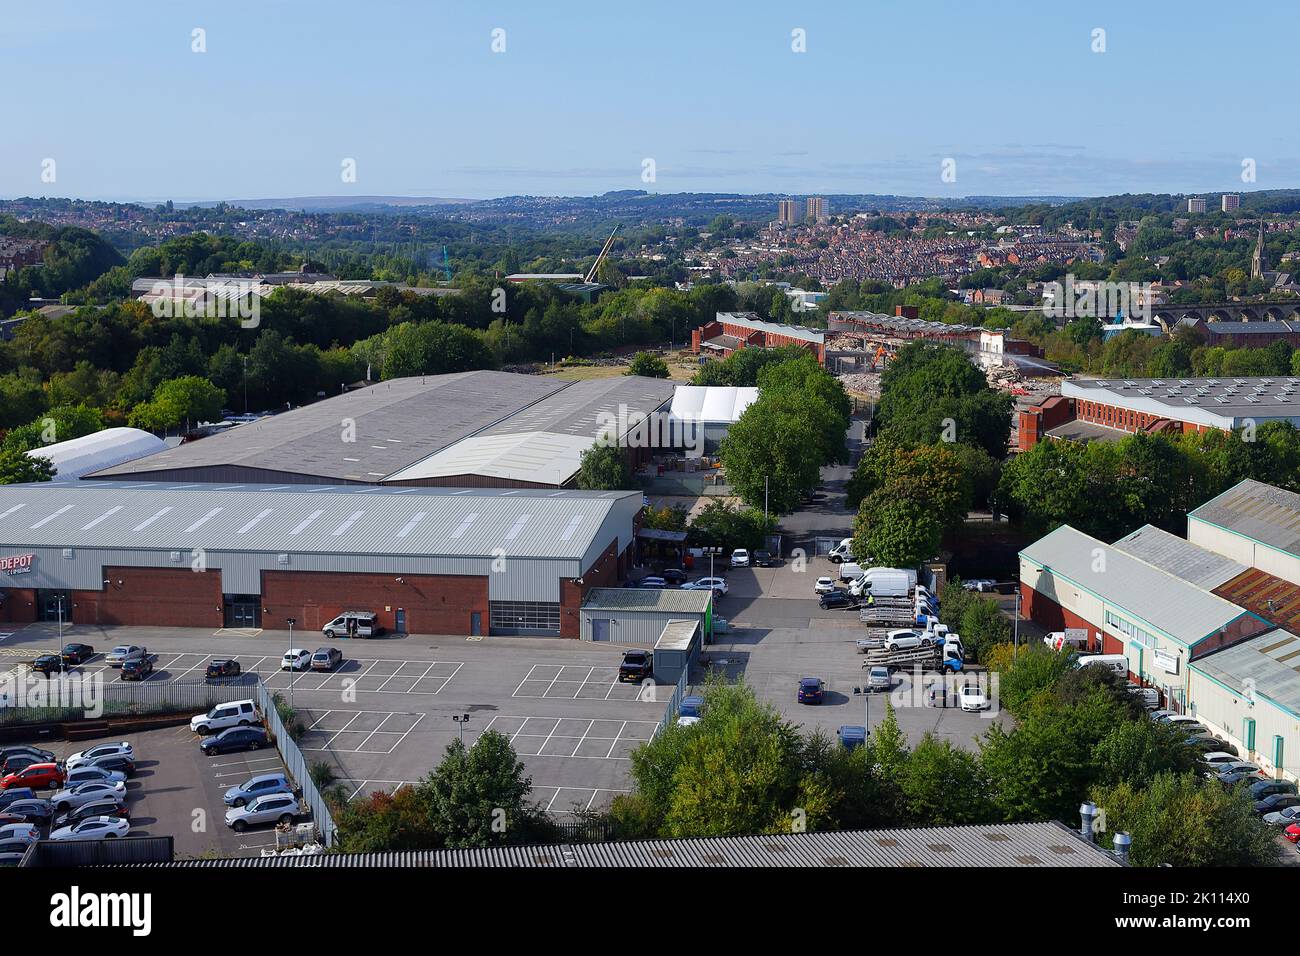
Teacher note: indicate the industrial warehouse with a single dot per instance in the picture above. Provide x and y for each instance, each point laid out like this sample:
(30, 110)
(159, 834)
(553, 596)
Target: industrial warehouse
(432, 560)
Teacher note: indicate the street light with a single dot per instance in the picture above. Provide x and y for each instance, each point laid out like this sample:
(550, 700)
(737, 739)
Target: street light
(293, 668)
(461, 720)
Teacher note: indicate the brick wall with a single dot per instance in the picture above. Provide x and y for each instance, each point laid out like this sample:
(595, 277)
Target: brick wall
(19, 606)
(434, 603)
(606, 572)
(168, 597)
(1050, 616)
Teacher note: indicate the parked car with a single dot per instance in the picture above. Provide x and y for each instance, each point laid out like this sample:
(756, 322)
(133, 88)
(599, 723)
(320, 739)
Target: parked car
(94, 828)
(29, 832)
(905, 640)
(972, 699)
(255, 787)
(137, 669)
(1292, 832)
(37, 776)
(31, 809)
(1210, 743)
(823, 586)
(272, 808)
(123, 653)
(811, 690)
(980, 584)
(44, 756)
(652, 581)
(222, 667)
(14, 794)
(740, 558)
(717, 585)
(837, 599)
(1266, 788)
(96, 808)
(235, 738)
(48, 664)
(87, 774)
(76, 654)
(237, 713)
(879, 678)
(636, 666)
(1219, 757)
(295, 659)
(326, 658)
(100, 750)
(1235, 772)
(120, 763)
(66, 800)
(1193, 725)
(1284, 817)
(674, 576)
(1276, 801)
(12, 852)
(690, 710)
(763, 559)
(18, 762)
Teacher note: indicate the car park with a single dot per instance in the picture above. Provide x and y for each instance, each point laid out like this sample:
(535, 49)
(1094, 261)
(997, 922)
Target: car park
(636, 666)
(296, 659)
(31, 809)
(48, 664)
(823, 586)
(235, 738)
(14, 794)
(740, 558)
(96, 808)
(88, 774)
(837, 599)
(272, 808)
(76, 654)
(222, 667)
(66, 800)
(237, 713)
(972, 699)
(675, 577)
(137, 669)
(811, 690)
(100, 750)
(37, 776)
(326, 658)
(254, 787)
(94, 828)
(123, 653)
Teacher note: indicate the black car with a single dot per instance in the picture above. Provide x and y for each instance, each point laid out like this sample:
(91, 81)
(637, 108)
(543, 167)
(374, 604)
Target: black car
(1208, 743)
(762, 559)
(119, 762)
(1275, 802)
(235, 738)
(77, 653)
(43, 756)
(674, 576)
(837, 598)
(16, 793)
(636, 666)
(48, 664)
(138, 669)
(15, 762)
(1266, 788)
(96, 808)
(222, 668)
(31, 809)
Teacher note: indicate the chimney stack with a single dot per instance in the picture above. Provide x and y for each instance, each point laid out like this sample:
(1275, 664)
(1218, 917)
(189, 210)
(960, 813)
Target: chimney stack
(1089, 813)
(1122, 843)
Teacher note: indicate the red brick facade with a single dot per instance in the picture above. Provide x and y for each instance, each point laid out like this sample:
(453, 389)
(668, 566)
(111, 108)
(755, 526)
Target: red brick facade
(1034, 423)
(168, 597)
(1050, 616)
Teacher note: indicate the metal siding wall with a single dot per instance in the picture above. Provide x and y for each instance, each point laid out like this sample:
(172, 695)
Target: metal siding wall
(634, 627)
(617, 525)
(1224, 712)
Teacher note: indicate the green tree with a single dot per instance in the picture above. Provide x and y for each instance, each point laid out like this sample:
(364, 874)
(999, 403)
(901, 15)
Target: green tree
(773, 454)
(604, 467)
(386, 822)
(1135, 752)
(943, 785)
(648, 365)
(17, 467)
(720, 524)
(190, 399)
(478, 795)
(983, 626)
(896, 532)
(61, 423)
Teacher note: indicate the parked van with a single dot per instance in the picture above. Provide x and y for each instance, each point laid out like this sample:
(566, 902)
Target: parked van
(1074, 637)
(237, 713)
(889, 582)
(850, 571)
(841, 552)
(1117, 663)
(354, 624)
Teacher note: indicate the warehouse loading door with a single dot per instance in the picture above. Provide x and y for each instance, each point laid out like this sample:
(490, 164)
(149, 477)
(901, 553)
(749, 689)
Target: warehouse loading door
(600, 629)
(241, 610)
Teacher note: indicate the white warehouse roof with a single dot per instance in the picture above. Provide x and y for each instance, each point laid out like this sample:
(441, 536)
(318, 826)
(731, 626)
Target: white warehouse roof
(102, 449)
(544, 457)
(712, 404)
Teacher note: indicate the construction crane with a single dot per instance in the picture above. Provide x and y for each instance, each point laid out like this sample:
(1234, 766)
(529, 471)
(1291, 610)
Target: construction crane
(604, 251)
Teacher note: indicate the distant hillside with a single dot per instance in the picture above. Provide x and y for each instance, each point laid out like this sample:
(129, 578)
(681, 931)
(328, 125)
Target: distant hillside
(330, 203)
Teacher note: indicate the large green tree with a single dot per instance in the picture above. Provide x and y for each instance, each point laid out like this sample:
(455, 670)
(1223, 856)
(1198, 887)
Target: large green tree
(604, 467)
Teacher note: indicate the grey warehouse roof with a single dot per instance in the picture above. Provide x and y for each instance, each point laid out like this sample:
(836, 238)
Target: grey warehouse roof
(397, 423)
(1255, 510)
(750, 320)
(1220, 402)
(672, 600)
(345, 519)
(1268, 662)
(1196, 565)
(1000, 844)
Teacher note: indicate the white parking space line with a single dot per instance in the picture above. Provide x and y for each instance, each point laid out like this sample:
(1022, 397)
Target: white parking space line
(533, 728)
(600, 682)
(331, 744)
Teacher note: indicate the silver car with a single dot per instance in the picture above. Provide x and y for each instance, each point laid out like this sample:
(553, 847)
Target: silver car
(66, 800)
(125, 652)
(272, 808)
(91, 774)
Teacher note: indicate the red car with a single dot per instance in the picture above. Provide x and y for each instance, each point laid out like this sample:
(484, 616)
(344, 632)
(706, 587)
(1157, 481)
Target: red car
(38, 776)
(1292, 833)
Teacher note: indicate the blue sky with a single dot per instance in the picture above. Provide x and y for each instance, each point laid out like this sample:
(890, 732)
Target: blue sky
(584, 92)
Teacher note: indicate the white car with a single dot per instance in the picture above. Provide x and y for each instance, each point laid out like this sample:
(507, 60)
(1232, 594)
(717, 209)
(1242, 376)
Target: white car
(27, 832)
(120, 749)
(123, 653)
(824, 586)
(717, 585)
(973, 699)
(66, 800)
(93, 828)
(979, 584)
(1219, 757)
(296, 659)
(740, 558)
(688, 721)
(1283, 818)
(237, 713)
(905, 640)
(90, 774)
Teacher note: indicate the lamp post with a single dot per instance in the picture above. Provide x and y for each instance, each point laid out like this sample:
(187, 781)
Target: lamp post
(62, 667)
(1016, 625)
(461, 720)
(293, 668)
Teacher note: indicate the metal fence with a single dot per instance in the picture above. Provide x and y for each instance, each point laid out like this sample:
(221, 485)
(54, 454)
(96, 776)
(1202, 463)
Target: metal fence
(91, 699)
(675, 702)
(296, 764)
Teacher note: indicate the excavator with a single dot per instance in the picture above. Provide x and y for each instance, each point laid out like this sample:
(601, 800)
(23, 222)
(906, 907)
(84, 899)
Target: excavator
(604, 251)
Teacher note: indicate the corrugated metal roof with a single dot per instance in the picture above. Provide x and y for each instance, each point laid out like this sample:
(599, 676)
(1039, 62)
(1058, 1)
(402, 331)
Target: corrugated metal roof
(1272, 598)
(750, 320)
(543, 457)
(672, 600)
(305, 519)
(1166, 603)
(1214, 401)
(1033, 845)
(1255, 510)
(364, 435)
(677, 635)
(1178, 556)
(1268, 664)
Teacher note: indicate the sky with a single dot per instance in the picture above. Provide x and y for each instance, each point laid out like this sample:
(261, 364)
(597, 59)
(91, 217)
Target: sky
(712, 93)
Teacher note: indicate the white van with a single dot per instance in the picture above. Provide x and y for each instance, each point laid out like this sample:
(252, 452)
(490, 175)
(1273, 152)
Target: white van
(366, 624)
(841, 552)
(850, 571)
(888, 582)
(238, 713)
(1118, 663)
